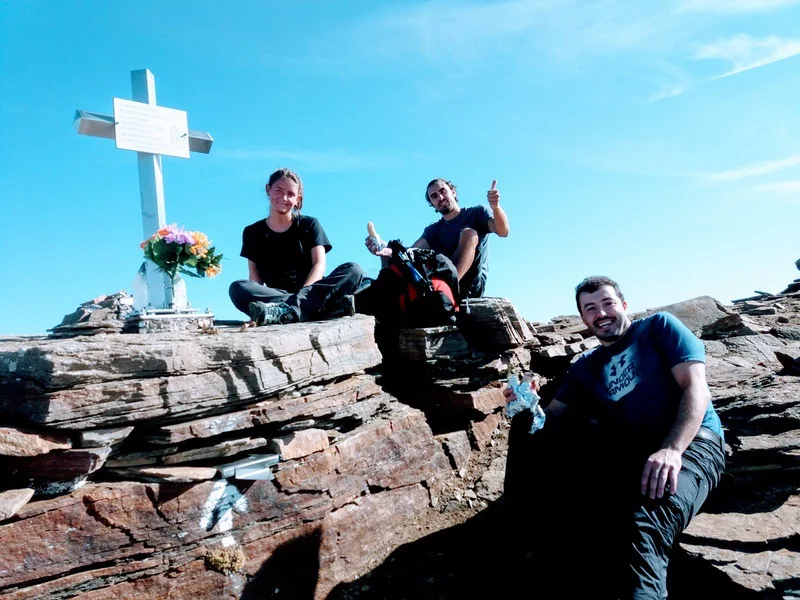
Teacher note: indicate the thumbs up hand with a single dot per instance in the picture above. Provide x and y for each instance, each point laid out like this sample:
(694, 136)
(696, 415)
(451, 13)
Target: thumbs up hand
(493, 195)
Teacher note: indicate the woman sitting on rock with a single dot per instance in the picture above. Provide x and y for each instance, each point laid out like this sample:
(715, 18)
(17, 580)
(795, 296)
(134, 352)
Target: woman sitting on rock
(286, 260)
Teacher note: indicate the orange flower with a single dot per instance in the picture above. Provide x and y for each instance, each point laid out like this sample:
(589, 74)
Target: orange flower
(213, 271)
(201, 244)
(200, 239)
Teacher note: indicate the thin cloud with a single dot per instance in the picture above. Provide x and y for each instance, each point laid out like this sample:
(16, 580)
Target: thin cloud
(780, 186)
(332, 161)
(669, 91)
(735, 6)
(746, 52)
(457, 35)
(756, 169)
(671, 81)
(445, 29)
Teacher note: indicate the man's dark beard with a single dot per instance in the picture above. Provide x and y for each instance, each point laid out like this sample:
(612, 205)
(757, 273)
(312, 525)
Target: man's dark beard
(610, 338)
(614, 336)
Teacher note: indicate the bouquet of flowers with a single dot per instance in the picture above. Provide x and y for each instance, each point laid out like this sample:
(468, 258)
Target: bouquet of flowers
(176, 250)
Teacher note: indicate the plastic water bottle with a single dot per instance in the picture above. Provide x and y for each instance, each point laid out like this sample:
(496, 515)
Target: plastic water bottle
(526, 399)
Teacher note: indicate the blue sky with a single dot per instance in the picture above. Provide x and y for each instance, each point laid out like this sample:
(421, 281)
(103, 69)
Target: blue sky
(655, 142)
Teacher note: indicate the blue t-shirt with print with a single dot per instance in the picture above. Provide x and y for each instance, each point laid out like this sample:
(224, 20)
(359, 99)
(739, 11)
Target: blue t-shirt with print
(443, 235)
(629, 384)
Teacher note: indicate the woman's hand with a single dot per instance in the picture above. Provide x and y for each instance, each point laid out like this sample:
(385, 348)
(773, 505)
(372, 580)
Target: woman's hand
(317, 265)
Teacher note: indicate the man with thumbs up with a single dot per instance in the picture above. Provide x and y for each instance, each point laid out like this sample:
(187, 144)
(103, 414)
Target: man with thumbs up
(461, 233)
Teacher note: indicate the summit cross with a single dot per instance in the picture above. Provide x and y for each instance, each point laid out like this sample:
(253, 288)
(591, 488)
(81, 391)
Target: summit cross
(152, 131)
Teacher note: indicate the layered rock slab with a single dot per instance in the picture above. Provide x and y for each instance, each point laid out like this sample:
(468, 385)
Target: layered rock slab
(751, 529)
(371, 479)
(117, 379)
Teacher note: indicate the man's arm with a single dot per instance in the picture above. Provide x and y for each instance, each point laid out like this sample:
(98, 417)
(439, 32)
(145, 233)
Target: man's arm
(662, 468)
(498, 223)
(556, 408)
(386, 253)
(421, 243)
(317, 271)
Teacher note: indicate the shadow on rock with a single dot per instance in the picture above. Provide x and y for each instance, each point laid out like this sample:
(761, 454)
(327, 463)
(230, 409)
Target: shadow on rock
(480, 559)
(465, 561)
(291, 572)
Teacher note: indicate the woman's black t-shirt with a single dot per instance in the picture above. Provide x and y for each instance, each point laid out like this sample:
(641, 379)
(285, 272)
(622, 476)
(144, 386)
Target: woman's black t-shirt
(283, 260)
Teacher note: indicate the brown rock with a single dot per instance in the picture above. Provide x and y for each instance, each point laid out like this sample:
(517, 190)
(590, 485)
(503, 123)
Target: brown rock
(482, 430)
(788, 440)
(552, 352)
(299, 444)
(220, 450)
(456, 446)
(56, 472)
(492, 482)
(385, 453)
(97, 438)
(349, 546)
(147, 530)
(94, 583)
(574, 348)
(14, 442)
(780, 524)
(759, 562)
(12, 500)
(787, 333)
(493, 323)
(487, 400)
(324, 402)
(116, 379)
(173, 456)
(757, 572)
(550, 339)
(165, 474)
(703, 315)
(432, 342)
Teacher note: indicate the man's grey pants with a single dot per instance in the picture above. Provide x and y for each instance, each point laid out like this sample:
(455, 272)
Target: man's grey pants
(657, 523)
(574, 503)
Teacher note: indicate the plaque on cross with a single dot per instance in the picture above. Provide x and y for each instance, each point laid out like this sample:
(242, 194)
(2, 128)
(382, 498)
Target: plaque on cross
(151, 131)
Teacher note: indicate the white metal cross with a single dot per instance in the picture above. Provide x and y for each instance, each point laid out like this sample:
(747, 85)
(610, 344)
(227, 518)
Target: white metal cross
(158, 292)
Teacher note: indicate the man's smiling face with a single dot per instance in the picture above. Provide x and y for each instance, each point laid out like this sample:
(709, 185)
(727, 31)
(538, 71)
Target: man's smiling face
(603, 312)
(441, 197)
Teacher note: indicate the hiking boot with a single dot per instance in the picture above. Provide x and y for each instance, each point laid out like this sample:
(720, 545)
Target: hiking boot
(273, 313)
(343, 307)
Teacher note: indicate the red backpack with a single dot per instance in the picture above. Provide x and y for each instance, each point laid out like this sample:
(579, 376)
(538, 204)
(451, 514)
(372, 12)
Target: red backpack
(419, 288)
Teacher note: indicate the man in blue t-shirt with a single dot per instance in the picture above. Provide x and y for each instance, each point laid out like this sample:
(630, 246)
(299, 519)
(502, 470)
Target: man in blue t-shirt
(650, 443)
(461, 234)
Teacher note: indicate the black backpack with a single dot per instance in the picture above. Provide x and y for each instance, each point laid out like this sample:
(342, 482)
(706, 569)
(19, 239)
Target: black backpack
(419, 288)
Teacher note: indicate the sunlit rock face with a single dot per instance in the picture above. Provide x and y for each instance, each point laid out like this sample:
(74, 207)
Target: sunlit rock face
(151, 465)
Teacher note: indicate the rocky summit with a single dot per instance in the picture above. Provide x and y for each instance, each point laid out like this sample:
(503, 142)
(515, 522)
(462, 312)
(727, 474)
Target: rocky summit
(337, 460)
